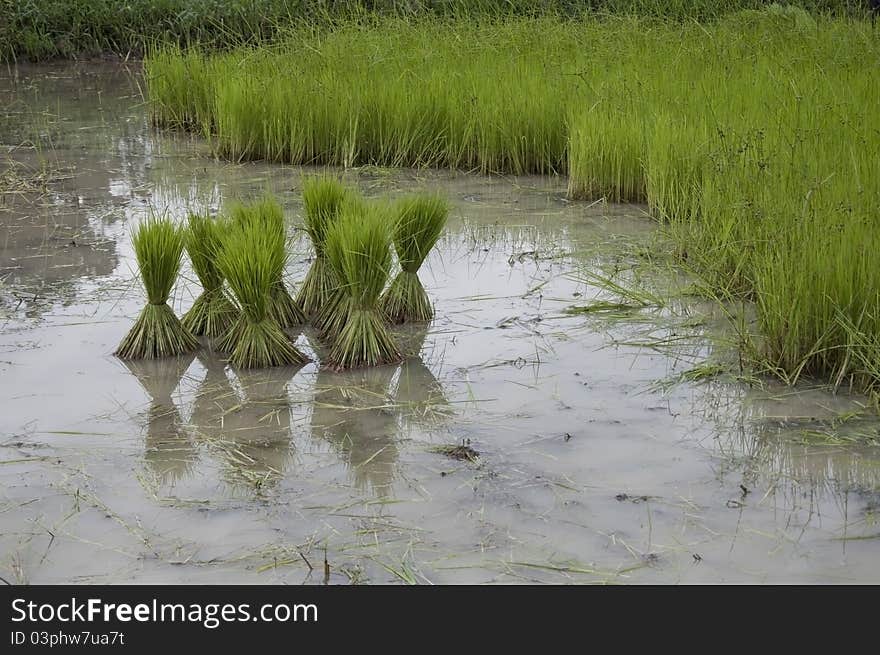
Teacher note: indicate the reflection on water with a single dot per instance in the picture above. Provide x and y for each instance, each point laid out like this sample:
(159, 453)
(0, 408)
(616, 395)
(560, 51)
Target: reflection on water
(169, 450)
(354, 412)
(244, 419)
(64, 232)
(801, 439)
(246, 425)
(418, 396)
(256, 441)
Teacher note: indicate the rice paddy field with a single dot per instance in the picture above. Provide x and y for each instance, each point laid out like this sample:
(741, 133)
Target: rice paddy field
(652, 346)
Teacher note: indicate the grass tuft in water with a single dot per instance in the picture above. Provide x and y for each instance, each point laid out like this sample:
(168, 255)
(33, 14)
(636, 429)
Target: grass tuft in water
(359, 249)
(252, 264)
(322, 196)
(213, 313)
(419, 222)
(267, 216)
(157, 332)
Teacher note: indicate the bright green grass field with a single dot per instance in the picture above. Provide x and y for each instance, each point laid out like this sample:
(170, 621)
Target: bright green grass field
(755, 139)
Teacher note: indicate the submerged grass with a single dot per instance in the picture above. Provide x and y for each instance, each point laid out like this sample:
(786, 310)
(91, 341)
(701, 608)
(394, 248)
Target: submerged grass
(157, 332)
(322, 196)
(419, 221)
(359, 249)
(752, 138)
(252, 263)
(212, 314)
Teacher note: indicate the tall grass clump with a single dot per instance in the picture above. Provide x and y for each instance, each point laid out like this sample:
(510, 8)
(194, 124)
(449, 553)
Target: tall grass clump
(212, 314)
(157, 332)
(267, 216)
(605, 160)
(252, 263)
(419, 222)
(322, 196)
(359, 248)
(333, 314)
(751, 137)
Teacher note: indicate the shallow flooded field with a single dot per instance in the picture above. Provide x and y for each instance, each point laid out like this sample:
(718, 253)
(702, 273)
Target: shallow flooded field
(518, 442)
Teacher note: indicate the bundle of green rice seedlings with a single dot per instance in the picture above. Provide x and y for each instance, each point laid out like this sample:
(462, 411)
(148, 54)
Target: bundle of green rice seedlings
(333, 314)
(252, 264)
(158, 246)
(323, 197)
(212, 314)
(420, 220)
(358, 246)
(266, 215)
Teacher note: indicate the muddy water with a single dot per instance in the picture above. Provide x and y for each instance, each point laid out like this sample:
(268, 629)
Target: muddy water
(598, 461)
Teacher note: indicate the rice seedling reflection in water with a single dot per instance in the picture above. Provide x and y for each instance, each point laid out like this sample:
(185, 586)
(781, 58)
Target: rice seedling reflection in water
(419, 396)
(358, 246)
(354, 413)
(255, 440)
(246, 426)
(168, 450)
(252, 261)
(157, 332)
(323, 197)
(212, 313)
(214, 399)
(419, 221)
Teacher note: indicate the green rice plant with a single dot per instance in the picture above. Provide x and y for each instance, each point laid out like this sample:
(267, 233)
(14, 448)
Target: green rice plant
(332, 316)
(251, 263)
(606, 156)
(212, 314)
(157, 332)
(322, 196)
(359, 248)
(418, 223)
(750, 138)
(78, 28)
(267, 216)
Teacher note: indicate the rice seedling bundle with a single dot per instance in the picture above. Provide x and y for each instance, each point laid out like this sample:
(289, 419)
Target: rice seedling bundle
(322, 197)
(252, 264)
(267, 216)
(419, 221)
(333, 314)
(212, 314)
(157, 332)
(359, 248)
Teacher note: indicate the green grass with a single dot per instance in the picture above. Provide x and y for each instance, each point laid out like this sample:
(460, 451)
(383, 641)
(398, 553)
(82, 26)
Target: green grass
(157, 332)
(419, 221)
(251, 263)
(41, 29)
(267, 217)
(332, 316)
(358, 247)
(751, 137)
(212, 313)
(322, 197)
